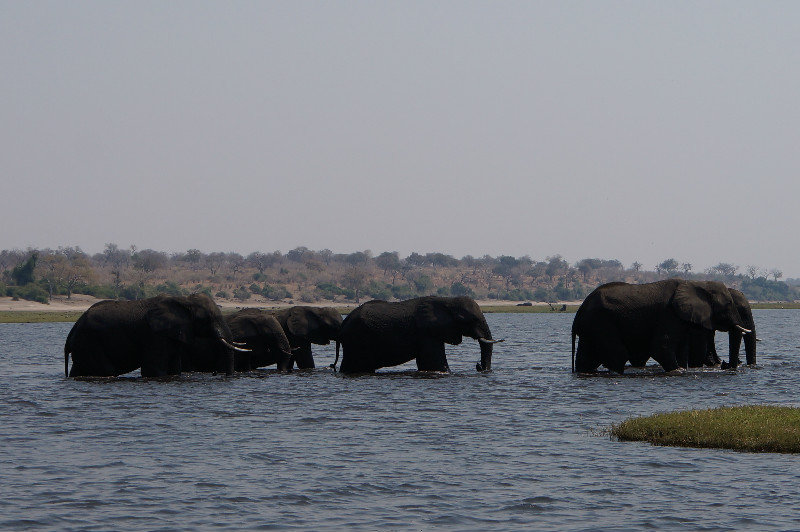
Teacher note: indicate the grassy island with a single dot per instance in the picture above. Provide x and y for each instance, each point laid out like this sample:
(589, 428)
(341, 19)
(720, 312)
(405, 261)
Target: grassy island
(766, 429)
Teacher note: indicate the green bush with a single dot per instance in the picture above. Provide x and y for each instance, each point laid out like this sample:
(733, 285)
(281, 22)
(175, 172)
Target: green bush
(402, 291)
(460, 289)
(200, 289)
(135, 291)
(241, 293)
(377, 290)
(223, 294)
(275, 293)
(170, 288)
(102, 291)
(328, 291)
(29, 292)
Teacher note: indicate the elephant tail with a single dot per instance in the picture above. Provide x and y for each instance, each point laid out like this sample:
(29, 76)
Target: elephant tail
(336, 361)
(573, 351)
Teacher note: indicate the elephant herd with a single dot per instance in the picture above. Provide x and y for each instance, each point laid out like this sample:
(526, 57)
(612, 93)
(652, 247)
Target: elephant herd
(166, 335)
(672, 321)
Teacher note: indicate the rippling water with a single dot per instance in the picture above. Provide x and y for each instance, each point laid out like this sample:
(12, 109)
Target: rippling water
(524, 447)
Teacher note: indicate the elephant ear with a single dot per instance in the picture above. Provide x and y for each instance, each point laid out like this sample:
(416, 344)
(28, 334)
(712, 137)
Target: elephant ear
(436, 319)
(170, 318)
(297, 322)
(692, 303)
(243, 327)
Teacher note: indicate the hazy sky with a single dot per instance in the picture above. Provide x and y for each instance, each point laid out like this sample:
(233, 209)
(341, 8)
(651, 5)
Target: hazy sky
(629, 130)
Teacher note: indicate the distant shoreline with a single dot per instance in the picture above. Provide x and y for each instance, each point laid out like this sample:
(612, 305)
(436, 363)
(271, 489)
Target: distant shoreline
(63, 310)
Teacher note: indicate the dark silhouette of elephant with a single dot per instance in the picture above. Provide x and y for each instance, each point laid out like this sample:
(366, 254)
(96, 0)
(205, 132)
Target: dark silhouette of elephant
(735, 337)
(162, 335)
(379, 334)
(668, 320)
(699, 349)
(263, 335)
(306, 325)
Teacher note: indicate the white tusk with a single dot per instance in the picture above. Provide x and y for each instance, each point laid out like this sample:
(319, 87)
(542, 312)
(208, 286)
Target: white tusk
(745, 331)
(758, 339)
(235, 348)
(485, 341)
(240, 344)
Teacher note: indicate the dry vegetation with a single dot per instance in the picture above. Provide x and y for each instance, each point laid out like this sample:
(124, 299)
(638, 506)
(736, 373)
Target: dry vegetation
(304, 275)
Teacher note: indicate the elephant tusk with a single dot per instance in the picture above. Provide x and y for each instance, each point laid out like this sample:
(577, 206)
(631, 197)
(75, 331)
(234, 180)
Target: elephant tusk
(758, 339)
(745, 331)
(485, 341)
(235, 348)
(240, 344)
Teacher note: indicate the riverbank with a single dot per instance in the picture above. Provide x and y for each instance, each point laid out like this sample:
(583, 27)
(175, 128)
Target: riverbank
(770, 429)
(62, 309)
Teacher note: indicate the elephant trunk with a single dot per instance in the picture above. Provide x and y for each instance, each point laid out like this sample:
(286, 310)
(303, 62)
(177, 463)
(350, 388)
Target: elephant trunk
(734, 343)
(750, 347)
(486, 354)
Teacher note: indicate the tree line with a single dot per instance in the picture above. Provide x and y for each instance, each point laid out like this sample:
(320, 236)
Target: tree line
(305, 275)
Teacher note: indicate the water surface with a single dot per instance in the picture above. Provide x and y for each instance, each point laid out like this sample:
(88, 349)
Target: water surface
(523, 447)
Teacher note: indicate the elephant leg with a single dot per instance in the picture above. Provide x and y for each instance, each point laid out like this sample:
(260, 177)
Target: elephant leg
(431, 356)
(303, 356)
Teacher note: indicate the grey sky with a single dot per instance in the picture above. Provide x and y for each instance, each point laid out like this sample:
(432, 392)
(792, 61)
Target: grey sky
(629, 130)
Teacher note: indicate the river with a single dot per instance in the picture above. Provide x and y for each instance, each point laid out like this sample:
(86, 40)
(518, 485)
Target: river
(523, 447)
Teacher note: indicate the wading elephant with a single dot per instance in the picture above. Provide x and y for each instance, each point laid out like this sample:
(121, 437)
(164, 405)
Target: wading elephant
(304, 326)
(162, 335)
(260, 332)
(699, 349)
(379, 334)
(619, 322)
(735, 336)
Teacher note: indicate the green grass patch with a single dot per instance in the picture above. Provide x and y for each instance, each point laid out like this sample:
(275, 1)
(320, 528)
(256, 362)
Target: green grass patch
(759, 429)
(39, 316)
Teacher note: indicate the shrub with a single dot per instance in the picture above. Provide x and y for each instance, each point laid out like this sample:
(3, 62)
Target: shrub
(103, 291)
(378, 290)
(460, 289)
(275, 292)
(170, 288)
(241, 293)
(223, 294)
(402, 291)
(134, 292)
(200, 289)
(29, 292)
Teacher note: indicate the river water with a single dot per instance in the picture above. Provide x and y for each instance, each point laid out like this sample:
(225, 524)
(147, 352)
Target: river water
(523, 447)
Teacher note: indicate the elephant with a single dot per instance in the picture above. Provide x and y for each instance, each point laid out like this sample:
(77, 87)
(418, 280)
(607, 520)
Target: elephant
(378, 334)
(699, 349)
(306, 325)
(260, 332)
(162, 335)
(735, 335)
(667, 320)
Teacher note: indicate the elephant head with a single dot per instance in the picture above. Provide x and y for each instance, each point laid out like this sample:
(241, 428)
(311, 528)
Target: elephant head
(735, 335)
(262, 333)
(450, 319)
(318, 325)
(196, 323)
(707, 304)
